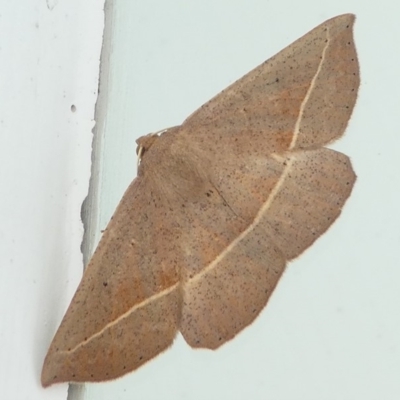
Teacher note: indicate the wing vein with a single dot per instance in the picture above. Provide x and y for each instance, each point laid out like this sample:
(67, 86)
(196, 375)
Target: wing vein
(264, 208)
(308, 94)
(123, 316)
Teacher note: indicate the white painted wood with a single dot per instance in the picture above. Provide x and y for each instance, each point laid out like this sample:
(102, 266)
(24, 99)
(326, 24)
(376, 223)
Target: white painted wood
(49, 67)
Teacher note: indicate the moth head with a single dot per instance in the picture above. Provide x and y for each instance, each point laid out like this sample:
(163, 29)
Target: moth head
(144, 143)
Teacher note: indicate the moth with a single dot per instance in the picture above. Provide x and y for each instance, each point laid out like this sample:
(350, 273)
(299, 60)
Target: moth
(221, 203)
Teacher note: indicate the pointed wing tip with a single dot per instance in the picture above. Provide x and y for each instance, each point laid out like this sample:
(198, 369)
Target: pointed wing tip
(47, 378)
(51, 372)
(347, 16)
(45, 383)
(344, 19)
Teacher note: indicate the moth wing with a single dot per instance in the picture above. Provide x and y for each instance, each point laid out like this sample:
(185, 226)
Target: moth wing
(300, 98)
(260, 214)
(126, 309)
(260, 141)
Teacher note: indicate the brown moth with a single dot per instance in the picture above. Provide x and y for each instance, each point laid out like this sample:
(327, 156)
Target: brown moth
(221, 203)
